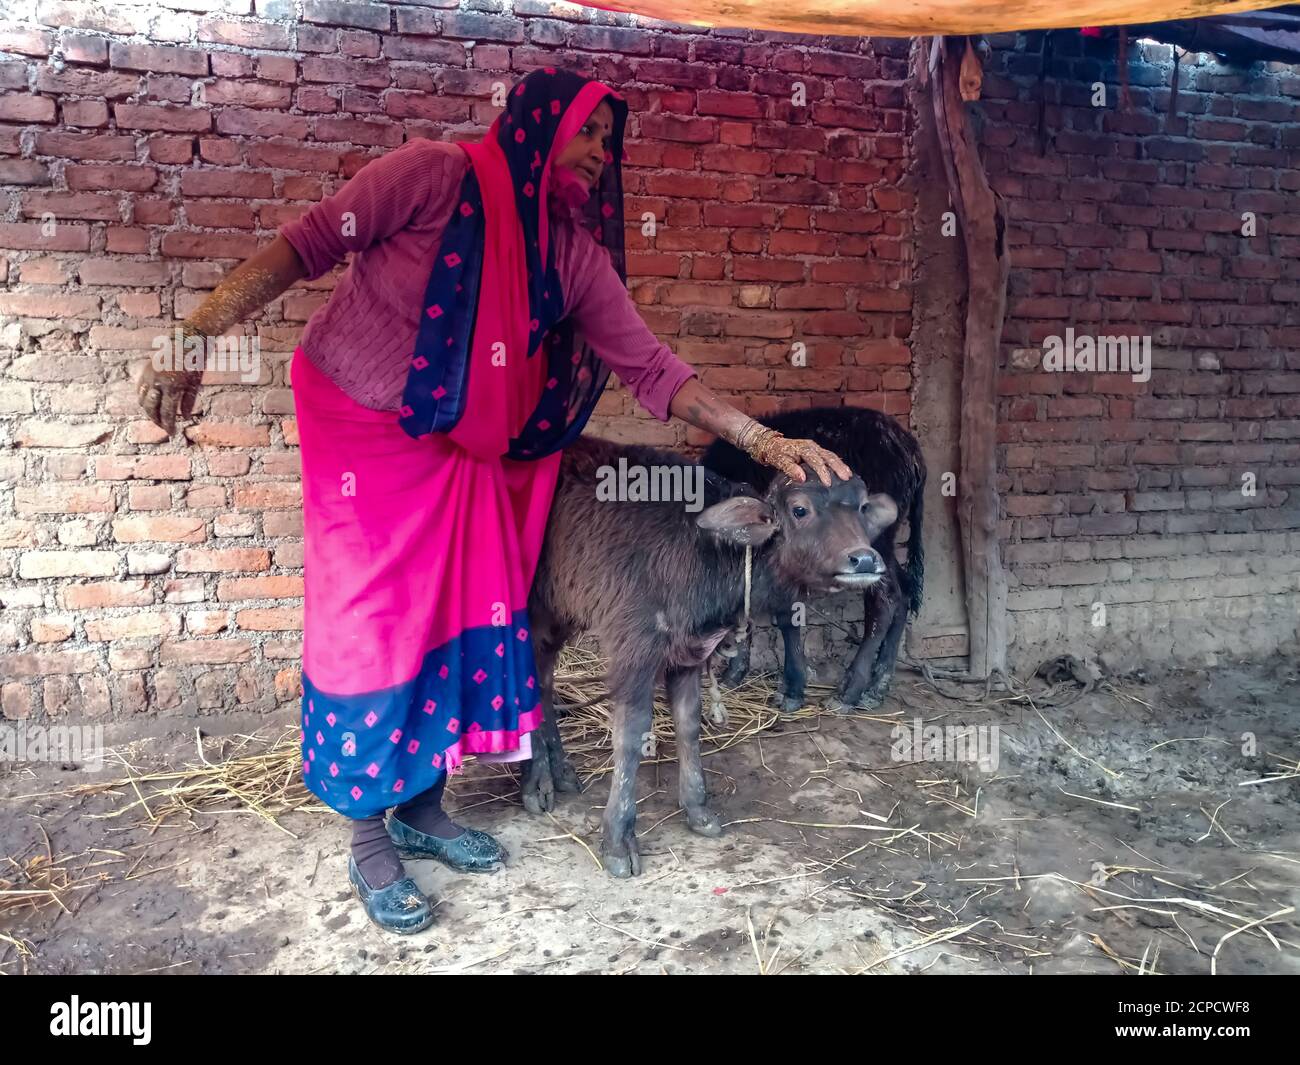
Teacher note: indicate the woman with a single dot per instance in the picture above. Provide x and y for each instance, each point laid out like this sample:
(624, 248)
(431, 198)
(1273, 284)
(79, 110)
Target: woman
(462, 350)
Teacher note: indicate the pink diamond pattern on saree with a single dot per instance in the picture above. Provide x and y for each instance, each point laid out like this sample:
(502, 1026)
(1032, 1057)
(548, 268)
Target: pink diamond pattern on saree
(419, 676)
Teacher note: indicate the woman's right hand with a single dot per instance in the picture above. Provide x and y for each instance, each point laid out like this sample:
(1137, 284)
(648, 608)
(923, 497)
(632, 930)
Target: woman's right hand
(165, 393)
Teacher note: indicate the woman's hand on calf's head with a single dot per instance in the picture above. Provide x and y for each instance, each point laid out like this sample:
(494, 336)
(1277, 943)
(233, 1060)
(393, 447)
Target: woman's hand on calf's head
(772, 449)
(696, 404)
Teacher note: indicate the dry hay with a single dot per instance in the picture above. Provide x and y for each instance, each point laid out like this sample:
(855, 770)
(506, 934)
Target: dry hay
(266, 783)
(587, 730)
(246, 774)
(36, 881)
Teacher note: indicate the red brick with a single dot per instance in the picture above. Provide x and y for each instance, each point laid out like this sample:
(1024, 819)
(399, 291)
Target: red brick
(149, 497)
(88, 205)
(105, 593)
(162, 116)
(132, 626)
(271, 587)
(223, 560)
(51, 629)
(291, 156)
(245, 34)
(47, 663)
(746, 269)
(25, 40)
(164, 528)
(235, 183)
(63, 499)
(269, 620)
(190, 652)
(729, 104)
(708, 295)
(26, 107)
(342, 13)
(355, 131)
(675, 128)
(818, 297)
(249, 122)
(30, 237)
(89, 113)
(145, 467)
(207, 246)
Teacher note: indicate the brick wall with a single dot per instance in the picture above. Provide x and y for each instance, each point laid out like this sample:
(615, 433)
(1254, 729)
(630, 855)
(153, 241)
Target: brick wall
(1129, 222)
(139, 574)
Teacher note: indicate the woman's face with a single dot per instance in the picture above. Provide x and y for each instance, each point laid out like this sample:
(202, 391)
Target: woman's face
(585, 154)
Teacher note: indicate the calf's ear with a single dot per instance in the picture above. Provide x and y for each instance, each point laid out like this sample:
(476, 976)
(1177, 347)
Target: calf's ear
(880, 514)
(741, 520)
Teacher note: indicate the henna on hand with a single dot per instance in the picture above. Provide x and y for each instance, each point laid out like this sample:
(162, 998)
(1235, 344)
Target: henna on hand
(782, 453)
(697, 404)
(165, 393)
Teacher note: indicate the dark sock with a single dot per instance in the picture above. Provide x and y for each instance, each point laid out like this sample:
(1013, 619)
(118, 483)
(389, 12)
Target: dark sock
(424, 813)
(375, 855)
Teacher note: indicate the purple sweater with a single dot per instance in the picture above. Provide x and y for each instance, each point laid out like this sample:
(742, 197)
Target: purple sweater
(391, 214)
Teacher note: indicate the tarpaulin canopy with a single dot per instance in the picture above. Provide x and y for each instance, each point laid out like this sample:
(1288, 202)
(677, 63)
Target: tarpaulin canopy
(920, 18)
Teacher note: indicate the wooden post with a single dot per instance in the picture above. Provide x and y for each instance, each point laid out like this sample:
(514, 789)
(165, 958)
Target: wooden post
(983, 230)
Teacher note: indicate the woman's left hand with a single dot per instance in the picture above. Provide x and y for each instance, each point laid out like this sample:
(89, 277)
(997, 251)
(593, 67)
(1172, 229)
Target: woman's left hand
(788, 455)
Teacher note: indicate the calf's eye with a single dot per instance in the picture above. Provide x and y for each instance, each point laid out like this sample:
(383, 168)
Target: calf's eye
(799, 512)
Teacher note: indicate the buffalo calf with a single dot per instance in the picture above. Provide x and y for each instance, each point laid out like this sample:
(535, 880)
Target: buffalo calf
(661, 586)
(888, 459)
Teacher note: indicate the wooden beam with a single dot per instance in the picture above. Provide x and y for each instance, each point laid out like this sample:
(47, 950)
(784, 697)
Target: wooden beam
(983, 229)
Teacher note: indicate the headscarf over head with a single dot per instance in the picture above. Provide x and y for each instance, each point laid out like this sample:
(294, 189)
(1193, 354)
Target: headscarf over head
(494, 365)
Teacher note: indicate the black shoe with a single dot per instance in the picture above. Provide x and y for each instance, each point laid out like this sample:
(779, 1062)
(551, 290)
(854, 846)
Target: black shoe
(470, 852)
(401, 907)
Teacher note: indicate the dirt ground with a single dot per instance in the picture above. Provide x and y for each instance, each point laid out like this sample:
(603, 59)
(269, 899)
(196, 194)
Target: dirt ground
(1114, 829)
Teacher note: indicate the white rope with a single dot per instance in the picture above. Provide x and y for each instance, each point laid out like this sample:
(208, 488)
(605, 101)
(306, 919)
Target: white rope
(743, 632)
